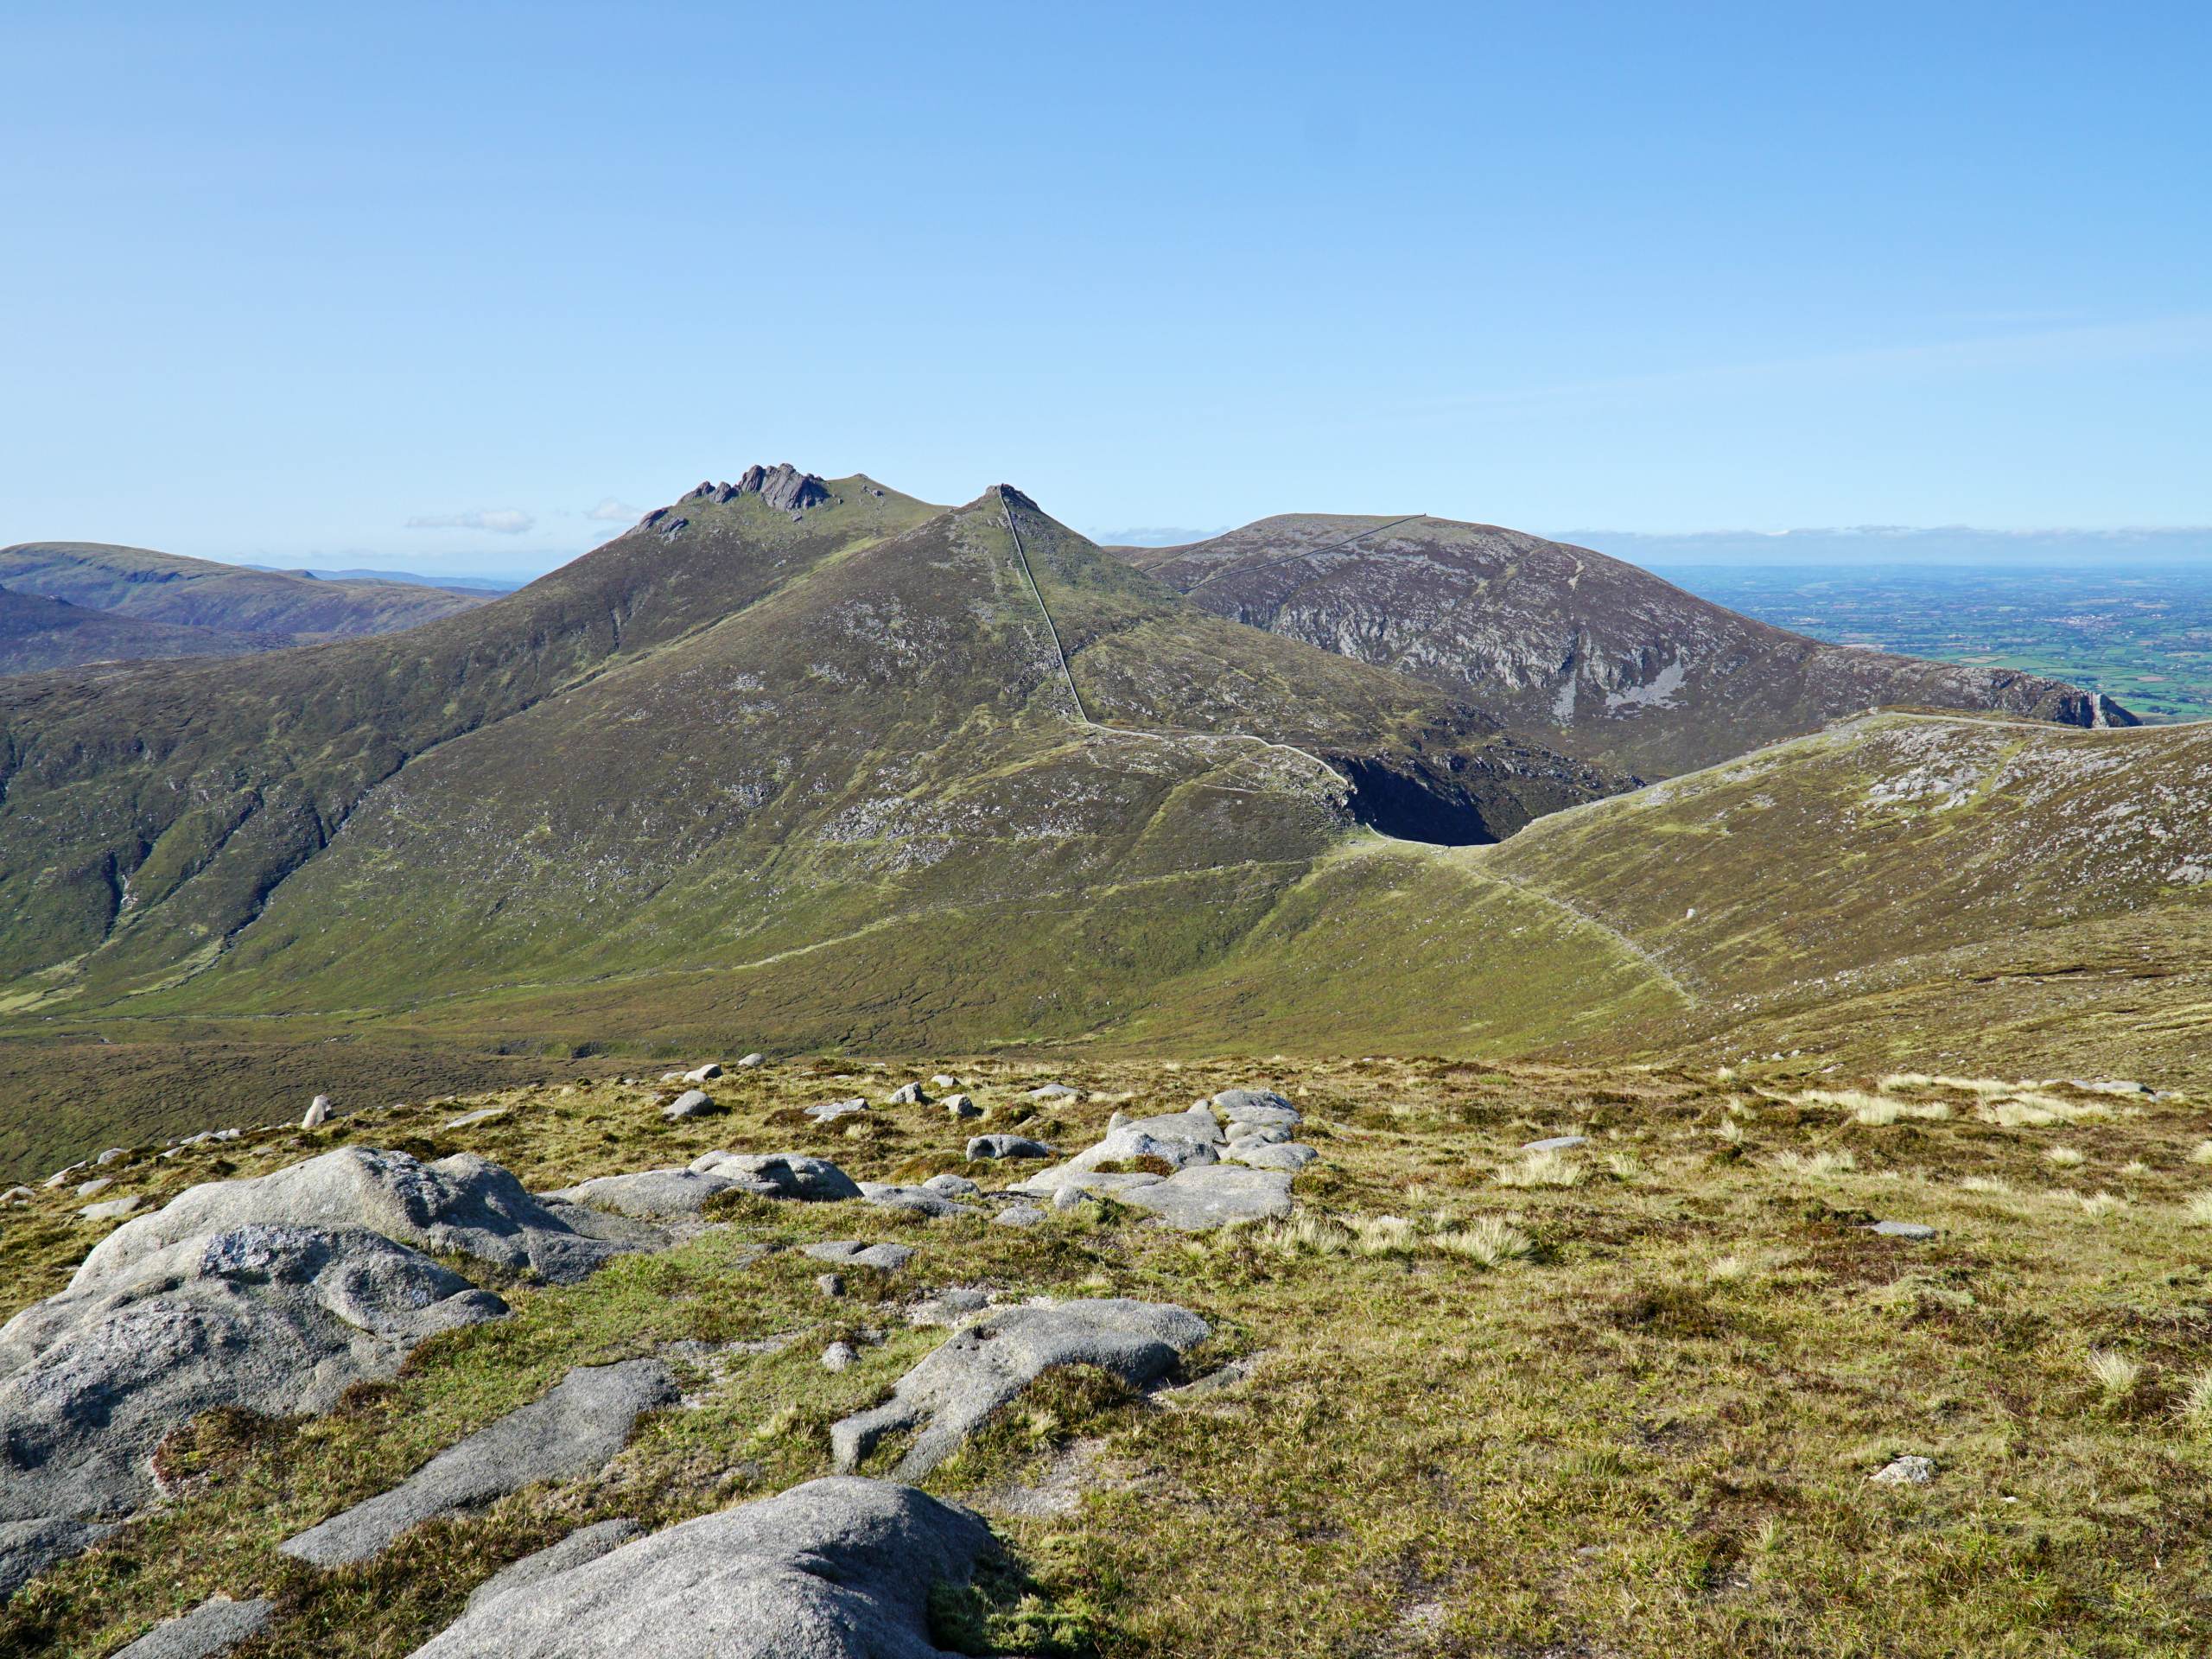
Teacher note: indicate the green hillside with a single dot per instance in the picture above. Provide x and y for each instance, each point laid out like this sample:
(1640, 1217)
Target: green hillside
(37, 633)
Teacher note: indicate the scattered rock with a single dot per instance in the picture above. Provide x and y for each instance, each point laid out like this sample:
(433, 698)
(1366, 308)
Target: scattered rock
(573, 1430)
(944, 1080)
(97, 1184)
(214, 1627)
(112, 1210)
(953, 1306)
(115, 1155)
(954, 1186)
(1068, 1197)
(706, 1073)
(1255, 1154)
(692, 1102)
(752, 1062)
(1006, 1146)
(470, 1119)
(909, 1094)
(318, 1113)
(1195, 1200)
(921, 1198)
(1556, 1143)
(851, 1252)
(779, 1175)
(831, 1285)
(830, 1111)
(1912, 1470)
(460, 1205)
(1055, 1091)
(949, 1394)
(1259, 1133)
(961, 1106)
(585, 1544)
(17, 1195)
(1912, 1230)
(1263, 1106)
(1021, 1215)
(28, 1547)
(839, 1356)
(838, 1569)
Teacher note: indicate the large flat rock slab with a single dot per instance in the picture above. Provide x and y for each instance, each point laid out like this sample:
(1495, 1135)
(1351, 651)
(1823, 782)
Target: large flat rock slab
(949, 1394)
(1198, 1200)
(214, 1627)
(838, 1569)
(579, 1424)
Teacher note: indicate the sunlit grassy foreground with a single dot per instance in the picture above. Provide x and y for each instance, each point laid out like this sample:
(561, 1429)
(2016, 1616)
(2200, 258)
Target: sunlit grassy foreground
(1623, 1398)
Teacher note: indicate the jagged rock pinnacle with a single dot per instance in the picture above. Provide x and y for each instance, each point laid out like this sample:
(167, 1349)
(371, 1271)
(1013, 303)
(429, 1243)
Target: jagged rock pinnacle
(782, 487)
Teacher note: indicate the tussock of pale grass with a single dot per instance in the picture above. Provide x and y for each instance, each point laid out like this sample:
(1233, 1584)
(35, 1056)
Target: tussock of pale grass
(1731, 1131)
(1963, 1085)
(2201, 1153)
(1879, 1114)
(2196, 1398)
(1541, 1169)
(1728, 1269)
(2199, 1210)
(2064, 1157)
(1985, 1184)
(1625, 1166)
(2114, 1373)
(1487, 1240)
(1816, 1165)
(2102, 1204)
(1851, 1099)
(2134, 1169)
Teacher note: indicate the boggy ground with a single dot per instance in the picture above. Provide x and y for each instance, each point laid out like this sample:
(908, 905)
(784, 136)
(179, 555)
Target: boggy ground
(1620, 1400)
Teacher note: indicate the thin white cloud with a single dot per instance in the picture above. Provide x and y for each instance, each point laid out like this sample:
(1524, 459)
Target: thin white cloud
(501, 521)
(611, 511)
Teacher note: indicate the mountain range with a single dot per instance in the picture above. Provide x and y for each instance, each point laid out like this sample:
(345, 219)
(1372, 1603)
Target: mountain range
(808, 763)
(160, 605)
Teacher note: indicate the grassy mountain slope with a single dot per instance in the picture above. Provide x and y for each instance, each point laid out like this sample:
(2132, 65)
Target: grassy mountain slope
(1603, 658)
(1905, 890)
(292, 608)
(37, 633)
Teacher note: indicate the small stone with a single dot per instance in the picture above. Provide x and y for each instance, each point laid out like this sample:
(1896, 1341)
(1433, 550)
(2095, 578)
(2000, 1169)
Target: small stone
(1255, 1106)
(831, 1284)
(752, 1062)
(908, 1094)
(469, 1120)
(1068, 1197)
(954, 1186)
(1021, 1215)
(111, 1155)
(961, 1106)
(318, 1113)
(692, 1102)
(830, 1111)
(1914, 1229)
(851, 1252)
(949, 1306)
(1053, 1091)
(671, 1077)
(706, 1073)
(838, 1355)
(1556, 1143)
(17, 1195)
(97, 1184)
(113, 1209)
(1006, 1146)
(944, 1080)
(1263, 1155)
(1913, 1471)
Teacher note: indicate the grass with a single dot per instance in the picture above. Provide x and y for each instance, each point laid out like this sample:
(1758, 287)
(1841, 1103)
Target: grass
(1609, 1417)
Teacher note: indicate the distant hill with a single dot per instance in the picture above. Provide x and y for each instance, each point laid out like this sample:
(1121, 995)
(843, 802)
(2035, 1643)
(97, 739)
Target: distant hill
(284, 608)
(1603, 658)
(456, 584)
(38, 633)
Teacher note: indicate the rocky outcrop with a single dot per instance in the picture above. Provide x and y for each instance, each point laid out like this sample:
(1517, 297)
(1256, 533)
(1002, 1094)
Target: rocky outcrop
(839, 1568)
(214, 1627)
(270, 1294)
(573, 1430)
(949, 1395)
(782, 487)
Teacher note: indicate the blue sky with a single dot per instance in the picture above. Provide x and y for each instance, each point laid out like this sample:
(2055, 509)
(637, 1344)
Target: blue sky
(429, 286)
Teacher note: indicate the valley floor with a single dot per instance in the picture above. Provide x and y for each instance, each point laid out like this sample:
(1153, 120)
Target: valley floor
(1621, 1399)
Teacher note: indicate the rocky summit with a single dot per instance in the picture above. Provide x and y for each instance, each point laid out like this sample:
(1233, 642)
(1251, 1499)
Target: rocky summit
(848, 1077)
